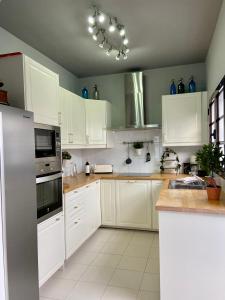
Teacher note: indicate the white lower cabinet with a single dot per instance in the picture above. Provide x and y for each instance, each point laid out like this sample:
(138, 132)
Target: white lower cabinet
(156, 188)
(133, 204)
(130, 203)
(82, 215)
(108, 202)
(51, 250)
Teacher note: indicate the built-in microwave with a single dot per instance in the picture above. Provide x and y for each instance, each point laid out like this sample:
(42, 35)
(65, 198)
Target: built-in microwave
(49, 196)
(47, 149)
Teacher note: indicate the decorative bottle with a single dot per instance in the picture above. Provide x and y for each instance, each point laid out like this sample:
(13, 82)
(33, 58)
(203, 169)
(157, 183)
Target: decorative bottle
(87, 168)
(181, 87)
(96, 92)
(173, 89)
(85, 93)
(192, 85)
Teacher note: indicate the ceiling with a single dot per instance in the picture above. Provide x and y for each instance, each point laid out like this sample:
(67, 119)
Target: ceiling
(161, 32)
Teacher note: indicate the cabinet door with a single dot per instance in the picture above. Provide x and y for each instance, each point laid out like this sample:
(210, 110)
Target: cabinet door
(108, 202)
(181, 119)
(96, 122)
(64, 116)
(41, 90)
(133, 203)
(50, 247)
(156, 188)
(77, 120)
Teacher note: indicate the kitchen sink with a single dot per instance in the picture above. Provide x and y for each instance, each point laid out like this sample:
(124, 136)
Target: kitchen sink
(194, 185)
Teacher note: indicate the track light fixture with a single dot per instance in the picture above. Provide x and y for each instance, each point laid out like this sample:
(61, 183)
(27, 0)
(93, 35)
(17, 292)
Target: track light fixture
(101, 26)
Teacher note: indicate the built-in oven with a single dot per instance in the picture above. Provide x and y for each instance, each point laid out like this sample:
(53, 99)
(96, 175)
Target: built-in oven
(49, 196)
(47, 149)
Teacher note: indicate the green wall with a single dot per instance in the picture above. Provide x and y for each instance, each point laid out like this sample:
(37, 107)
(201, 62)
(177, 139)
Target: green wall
(157, 82)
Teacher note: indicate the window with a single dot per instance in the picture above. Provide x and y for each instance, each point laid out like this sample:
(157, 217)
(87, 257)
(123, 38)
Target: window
(217, 117)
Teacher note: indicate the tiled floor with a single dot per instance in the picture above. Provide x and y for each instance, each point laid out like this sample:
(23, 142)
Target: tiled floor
(113, 264)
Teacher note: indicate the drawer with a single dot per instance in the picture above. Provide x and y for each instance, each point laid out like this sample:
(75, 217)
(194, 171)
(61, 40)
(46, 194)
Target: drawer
(78, 214)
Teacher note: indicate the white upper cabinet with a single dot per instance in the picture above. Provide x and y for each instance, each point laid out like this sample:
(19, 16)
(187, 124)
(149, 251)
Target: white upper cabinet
(41, 92)
(32, 87)
(97, 121)
(72, 119)
(133, 204)
(184, 119)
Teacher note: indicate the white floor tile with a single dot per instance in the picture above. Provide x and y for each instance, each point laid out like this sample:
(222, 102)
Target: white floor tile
(116, 293)
(144, 238)
(137, 250)
(56, 288)
(98, 274)
(93, 245)
(87, 291)
(133, 263)
(144, 295)
(71, 271)
(42, 298)
(126, 279)
(114, 247)
(82, 256)
(150, 282)
(154, 252)
(107, 260)
(152, 265)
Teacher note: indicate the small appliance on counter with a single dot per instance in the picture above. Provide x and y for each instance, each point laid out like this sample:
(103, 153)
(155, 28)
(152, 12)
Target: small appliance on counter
(105, 169)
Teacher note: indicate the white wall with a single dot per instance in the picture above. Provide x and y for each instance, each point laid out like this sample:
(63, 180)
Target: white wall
(215, 62)
(10, 43)
(157, 83)
(118, 154)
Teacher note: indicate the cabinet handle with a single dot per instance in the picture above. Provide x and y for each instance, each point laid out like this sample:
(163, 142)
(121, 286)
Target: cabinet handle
(57, 219)
(60, 118)
(131, 181)
(75, 222)
(87, 187)
(75, 192)
(75, 207)
(87, 139)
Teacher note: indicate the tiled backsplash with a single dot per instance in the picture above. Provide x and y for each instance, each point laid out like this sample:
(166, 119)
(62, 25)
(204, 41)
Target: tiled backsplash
(118, 154)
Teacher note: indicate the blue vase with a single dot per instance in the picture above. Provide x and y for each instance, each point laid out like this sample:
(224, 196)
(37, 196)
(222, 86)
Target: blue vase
(85, 93)
(192, 85)
(173, 89)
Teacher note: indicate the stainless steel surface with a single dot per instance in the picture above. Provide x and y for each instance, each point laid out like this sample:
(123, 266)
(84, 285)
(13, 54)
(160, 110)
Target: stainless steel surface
(134, 101)
(177, 184)
(49, 164)
(48, 178)
(18, 199)
(49, 215)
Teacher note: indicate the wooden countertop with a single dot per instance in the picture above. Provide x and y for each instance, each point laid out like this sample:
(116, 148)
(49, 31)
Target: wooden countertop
(71, 183)
(195, 201)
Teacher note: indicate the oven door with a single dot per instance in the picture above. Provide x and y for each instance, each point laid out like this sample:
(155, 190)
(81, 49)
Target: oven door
(45, 142)
(49, 196)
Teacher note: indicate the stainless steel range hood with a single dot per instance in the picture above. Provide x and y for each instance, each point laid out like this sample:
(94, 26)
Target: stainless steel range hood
(134, 102)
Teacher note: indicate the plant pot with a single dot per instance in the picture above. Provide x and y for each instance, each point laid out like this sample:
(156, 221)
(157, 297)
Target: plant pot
(139, 151)
(202, 173)
(213, 193)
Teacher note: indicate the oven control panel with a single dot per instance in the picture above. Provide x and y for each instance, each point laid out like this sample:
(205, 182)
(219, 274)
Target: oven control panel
(46, 167)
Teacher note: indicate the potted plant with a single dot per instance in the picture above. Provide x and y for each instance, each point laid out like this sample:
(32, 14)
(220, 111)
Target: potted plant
(66, 156)
(211, 160)
(138, 146)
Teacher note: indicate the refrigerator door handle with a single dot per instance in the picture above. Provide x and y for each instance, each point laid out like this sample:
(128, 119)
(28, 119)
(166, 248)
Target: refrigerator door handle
(48, 178)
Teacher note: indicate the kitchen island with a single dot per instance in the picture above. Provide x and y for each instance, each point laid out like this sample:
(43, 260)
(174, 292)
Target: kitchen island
(192, 245)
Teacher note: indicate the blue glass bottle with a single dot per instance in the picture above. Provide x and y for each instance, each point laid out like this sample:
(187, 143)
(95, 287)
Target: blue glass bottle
(173, 89)
(192, 85)
(85, 93)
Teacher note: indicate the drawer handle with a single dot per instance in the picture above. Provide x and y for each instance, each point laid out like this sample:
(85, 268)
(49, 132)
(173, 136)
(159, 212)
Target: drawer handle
(75, 192)
(75, 207)
(87, 186)
(57, 219)
(75, 222)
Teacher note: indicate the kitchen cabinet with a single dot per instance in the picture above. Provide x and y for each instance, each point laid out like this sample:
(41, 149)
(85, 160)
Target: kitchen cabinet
(133, 204)
(98, 119)
(82, 215)
(156, 188)
(51, 247)
(108, 202)
(34, 88)
(184, 119)
(72, 119)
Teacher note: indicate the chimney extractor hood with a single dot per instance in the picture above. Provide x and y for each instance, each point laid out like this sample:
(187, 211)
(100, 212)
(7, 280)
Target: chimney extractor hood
(134, 102)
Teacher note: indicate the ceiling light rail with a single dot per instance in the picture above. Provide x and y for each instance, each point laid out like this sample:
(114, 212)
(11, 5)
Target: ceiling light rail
(103, 29)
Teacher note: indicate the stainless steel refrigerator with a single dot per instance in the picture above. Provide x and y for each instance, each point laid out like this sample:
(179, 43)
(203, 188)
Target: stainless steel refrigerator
(18, 213)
